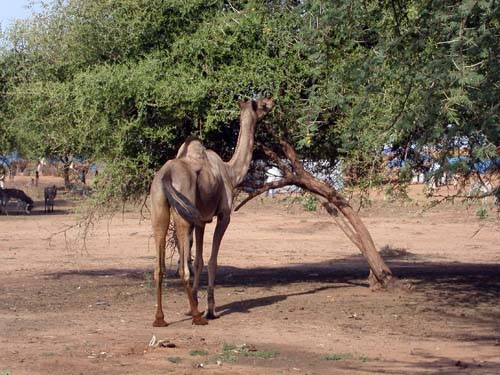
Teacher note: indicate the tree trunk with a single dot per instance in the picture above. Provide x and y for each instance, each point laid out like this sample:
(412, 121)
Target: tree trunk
(348, 220)
(67, 183)
(66, 162)
(380, 275)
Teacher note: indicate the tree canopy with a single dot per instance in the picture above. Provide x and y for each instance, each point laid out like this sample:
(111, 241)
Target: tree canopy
(124, 82)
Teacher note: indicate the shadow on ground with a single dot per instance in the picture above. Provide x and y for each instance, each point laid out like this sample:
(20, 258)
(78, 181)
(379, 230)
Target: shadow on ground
(454, 276)
(460, 285)
(38, 209)
(354, 362)
(427, 364)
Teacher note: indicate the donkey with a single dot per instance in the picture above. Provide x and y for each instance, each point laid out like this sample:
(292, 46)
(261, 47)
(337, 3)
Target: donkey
(23, 201)
(49, 194)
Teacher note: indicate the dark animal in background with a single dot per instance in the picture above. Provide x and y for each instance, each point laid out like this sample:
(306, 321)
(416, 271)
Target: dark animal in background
(49, 194)
(23, 201)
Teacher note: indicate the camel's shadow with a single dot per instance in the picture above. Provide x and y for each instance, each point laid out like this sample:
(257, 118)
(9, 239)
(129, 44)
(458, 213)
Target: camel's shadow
(247, 305)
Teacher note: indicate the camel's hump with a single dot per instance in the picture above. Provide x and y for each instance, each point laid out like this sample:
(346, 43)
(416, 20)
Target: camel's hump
(194, 151)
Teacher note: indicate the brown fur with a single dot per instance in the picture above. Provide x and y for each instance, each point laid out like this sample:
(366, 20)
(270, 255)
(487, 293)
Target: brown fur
(195, 187)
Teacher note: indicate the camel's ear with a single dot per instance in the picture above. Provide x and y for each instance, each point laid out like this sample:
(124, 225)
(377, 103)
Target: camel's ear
(242, 103)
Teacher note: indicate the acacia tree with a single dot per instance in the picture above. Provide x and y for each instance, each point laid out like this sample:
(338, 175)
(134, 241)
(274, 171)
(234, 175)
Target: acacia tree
(349, 78)
(125, 82)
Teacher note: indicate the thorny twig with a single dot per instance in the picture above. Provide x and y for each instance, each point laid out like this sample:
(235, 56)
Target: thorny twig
(85, 225)
(144, 206)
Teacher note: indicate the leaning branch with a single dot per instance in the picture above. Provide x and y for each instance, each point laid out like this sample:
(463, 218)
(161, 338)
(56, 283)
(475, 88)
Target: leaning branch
(292, 156)
(336, 205)
(340, 220)
(270, 185)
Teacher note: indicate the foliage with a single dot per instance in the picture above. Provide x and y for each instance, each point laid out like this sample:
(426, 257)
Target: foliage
(335, 357)
(124, 82)
(482, 213)
(230, 353)
(309, 202)
(345, 356)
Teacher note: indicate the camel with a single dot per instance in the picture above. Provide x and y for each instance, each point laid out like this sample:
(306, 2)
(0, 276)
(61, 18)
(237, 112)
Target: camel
(193, 188)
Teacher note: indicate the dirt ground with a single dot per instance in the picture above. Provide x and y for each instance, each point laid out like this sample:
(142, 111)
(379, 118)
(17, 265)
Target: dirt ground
(291, 291)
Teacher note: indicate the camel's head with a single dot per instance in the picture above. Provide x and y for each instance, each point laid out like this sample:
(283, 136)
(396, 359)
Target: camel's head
(260, 107)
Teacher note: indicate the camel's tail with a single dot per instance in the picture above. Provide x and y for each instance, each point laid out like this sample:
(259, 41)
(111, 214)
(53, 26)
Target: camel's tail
(181, 203)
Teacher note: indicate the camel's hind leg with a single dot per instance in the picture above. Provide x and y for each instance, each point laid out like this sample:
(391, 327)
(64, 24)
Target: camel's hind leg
(183, 231)
(198, 261)
(160, 219)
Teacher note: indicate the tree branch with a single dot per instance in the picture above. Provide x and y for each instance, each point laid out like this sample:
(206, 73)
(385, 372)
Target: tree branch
(270, 185)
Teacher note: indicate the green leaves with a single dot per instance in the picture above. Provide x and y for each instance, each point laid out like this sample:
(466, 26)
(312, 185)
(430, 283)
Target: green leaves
(125, 82)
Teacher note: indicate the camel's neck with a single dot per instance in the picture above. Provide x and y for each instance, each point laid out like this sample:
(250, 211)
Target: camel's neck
(240, 162)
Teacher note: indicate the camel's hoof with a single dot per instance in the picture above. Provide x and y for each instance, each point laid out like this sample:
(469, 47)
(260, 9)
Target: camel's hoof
(212, 316)
(160, 323)
(200, 321)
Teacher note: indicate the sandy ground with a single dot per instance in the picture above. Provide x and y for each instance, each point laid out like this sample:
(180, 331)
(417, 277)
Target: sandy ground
(291, 291)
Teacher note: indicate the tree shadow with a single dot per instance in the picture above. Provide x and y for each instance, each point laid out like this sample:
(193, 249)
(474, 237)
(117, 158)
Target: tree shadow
(426, 363)
(443, 291)
(421, 362)
(452, 366)
(453, 277)
(451, 285)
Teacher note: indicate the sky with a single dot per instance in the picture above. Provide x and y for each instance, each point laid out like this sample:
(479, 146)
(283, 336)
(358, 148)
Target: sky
(13, 9)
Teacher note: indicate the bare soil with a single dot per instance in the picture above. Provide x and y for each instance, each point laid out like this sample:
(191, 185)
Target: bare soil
(291, 290)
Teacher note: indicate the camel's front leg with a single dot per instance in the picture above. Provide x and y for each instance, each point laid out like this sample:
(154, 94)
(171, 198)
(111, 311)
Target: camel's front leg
(198, 261)
(183, 237)
(220, 229)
